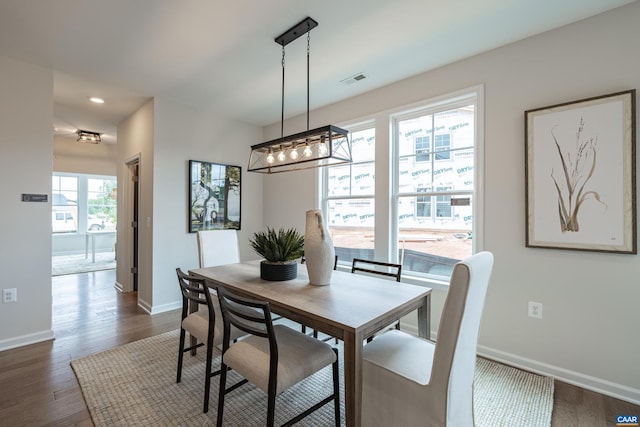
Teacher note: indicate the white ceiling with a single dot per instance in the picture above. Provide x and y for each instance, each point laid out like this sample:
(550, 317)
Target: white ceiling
(220, 55)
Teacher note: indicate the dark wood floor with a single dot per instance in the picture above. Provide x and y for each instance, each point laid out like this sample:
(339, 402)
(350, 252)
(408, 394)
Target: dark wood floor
(38, 386)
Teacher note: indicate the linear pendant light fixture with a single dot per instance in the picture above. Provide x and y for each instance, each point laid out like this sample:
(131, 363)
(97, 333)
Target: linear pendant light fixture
(324, 146)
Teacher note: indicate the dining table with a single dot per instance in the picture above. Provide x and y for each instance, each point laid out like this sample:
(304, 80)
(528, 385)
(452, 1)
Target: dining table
(351, 308)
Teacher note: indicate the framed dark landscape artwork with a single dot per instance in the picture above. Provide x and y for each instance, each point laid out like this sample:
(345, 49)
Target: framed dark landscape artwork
(580, 175)
(214, 196)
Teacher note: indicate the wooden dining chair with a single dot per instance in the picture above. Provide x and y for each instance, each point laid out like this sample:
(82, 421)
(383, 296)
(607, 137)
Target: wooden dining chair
(204, 324)
(272, 357)
(411, 381)
(377, 268)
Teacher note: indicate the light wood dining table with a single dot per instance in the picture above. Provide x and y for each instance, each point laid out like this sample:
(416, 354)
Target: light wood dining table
(352, 308)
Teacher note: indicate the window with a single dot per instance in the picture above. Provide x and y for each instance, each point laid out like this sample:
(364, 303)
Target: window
(82, 202)
(64, 204)
(435, 187)
(349, 198)
(431, 198)
(101, 203)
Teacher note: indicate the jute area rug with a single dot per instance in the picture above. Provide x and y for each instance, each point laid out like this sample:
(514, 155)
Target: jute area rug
(135, 385)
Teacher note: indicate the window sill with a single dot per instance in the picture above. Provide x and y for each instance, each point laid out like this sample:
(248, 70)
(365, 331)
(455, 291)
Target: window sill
(440, 285)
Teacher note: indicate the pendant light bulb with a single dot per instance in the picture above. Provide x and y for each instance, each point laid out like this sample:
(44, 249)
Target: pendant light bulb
(294, 153)
(281, 156)
(307, 151)
(270, 158)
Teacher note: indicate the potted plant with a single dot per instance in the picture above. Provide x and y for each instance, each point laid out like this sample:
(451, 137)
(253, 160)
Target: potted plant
(280, 249)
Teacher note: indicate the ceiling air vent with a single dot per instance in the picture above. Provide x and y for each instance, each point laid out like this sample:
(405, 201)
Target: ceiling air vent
(353, 79)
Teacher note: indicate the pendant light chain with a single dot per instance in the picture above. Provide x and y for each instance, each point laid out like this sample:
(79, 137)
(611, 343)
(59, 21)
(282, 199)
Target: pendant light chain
(308, 54)
(282, 108)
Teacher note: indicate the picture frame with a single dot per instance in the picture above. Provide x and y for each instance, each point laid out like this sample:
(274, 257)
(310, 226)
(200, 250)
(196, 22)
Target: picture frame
(214, 196)
(580, 180)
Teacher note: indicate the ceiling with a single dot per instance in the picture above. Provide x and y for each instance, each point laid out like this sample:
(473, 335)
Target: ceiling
(220, 55)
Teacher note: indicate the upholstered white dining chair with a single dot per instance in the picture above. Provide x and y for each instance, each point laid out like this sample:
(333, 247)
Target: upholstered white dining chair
(218, 247)
(411, 381)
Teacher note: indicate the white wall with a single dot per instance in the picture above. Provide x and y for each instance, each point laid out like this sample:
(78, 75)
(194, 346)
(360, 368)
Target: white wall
(135, 141)
(26, 116)
(72, 156)
(589, 333)
(183, 134)
(168, 135)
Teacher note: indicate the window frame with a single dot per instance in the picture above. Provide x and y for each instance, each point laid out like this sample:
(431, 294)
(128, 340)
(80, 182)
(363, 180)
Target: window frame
(446, 102)
(386, 195)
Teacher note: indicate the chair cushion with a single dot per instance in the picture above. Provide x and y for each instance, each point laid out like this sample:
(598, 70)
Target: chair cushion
(197, 324)
(403, 354)
(299, 356)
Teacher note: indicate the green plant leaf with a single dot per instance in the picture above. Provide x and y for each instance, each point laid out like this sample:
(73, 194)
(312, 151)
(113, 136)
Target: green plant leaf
(278, 246)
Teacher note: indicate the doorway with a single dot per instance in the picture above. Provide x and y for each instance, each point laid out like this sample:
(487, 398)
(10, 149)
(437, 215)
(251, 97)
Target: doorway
(83, 223)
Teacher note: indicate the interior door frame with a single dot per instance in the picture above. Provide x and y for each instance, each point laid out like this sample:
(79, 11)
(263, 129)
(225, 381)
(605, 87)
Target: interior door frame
(126, 232)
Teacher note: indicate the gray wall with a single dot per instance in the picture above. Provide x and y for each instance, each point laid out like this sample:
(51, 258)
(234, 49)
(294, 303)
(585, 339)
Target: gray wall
(166, 136)
(589, 333)
(26, 159)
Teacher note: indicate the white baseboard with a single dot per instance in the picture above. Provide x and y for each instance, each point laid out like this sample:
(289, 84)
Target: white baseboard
(26, 340)
(144, 305)
(118, 286)
(166, 307)
(608, 388)
(159, 308)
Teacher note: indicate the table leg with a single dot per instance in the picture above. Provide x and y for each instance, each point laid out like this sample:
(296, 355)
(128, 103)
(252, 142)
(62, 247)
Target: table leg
(353, 378)
(86, 245)
(424, 318)
(93, 248)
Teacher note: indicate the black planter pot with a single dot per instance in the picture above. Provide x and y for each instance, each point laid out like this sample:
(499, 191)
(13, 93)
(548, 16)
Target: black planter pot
(278, 271)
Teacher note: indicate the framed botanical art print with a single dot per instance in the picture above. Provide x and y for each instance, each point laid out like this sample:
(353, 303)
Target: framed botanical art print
(214, 196)
(580, 174)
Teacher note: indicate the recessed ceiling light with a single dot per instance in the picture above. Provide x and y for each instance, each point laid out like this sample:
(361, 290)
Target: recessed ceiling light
(97, 100)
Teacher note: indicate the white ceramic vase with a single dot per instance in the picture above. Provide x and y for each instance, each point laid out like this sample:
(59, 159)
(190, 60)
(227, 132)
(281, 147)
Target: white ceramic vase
(319, 253)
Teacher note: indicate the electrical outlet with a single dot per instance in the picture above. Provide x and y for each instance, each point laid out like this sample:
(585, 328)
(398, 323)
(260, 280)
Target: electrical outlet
(10, 295)
(535, 309)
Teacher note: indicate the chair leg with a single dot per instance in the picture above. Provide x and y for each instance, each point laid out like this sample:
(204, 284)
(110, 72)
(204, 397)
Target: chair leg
(271, 409)
(207, 379)
(221, 393)
(336, 389)
(180, 354)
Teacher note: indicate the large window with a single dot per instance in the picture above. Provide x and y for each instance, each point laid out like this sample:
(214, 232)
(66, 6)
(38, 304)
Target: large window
(434, 188)
(431, 169)
(349, 198)
(82, 202)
